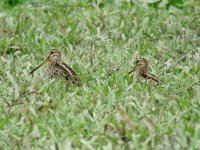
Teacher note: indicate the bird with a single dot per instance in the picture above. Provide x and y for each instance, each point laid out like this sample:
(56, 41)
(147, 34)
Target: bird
(57, 69)
(140, 70)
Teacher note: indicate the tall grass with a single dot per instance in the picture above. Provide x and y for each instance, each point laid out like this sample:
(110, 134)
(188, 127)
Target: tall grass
(108, 112)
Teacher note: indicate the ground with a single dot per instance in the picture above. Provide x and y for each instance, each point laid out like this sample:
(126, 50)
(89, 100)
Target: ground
(109, 111)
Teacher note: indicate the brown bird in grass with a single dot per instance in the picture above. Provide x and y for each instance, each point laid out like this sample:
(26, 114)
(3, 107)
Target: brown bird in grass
(140, 70)
(58, 69)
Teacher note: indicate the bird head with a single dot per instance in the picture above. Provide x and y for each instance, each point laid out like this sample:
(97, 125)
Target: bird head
(53, 57)
(141, 62)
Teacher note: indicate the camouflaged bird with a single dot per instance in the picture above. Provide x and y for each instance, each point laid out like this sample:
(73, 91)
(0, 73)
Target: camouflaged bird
(57, 69)
(140, 70)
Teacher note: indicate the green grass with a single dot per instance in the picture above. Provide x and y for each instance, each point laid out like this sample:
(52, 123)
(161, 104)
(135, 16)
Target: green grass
(112, 112)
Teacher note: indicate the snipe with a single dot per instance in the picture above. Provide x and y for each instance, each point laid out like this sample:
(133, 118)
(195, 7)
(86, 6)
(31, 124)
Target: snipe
(57, 69)
(140, 70)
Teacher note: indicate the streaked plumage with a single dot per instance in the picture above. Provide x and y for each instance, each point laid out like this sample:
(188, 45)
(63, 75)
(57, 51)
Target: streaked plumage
(58, 69)
(140, 70)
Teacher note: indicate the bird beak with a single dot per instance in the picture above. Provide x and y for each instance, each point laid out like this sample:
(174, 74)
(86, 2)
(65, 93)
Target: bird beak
(46, 60)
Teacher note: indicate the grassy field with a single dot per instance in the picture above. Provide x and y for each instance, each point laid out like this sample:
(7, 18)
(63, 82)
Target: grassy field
(108, 112)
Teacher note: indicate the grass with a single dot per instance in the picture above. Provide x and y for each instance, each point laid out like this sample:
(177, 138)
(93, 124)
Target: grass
(112, 112)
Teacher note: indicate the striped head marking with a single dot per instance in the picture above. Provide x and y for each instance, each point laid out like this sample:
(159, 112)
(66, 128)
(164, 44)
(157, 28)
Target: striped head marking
(54, 55)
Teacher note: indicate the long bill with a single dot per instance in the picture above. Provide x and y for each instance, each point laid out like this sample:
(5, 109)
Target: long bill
(40, 65)
(132, 70)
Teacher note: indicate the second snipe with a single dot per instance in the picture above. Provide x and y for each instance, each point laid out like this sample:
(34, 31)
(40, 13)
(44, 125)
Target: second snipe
(57, 69)
(140, 71)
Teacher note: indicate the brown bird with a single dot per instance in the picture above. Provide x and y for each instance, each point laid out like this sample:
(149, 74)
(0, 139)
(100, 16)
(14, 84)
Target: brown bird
(140, 70)
(58, 69)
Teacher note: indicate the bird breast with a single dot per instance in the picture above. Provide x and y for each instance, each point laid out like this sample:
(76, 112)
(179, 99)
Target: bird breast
(54, 72)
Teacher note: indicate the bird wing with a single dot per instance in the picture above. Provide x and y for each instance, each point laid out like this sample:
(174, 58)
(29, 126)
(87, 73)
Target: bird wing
(69, 73)
(151, 77)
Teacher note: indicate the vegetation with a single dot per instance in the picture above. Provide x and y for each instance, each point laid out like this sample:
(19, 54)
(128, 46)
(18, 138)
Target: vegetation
(108, 112)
